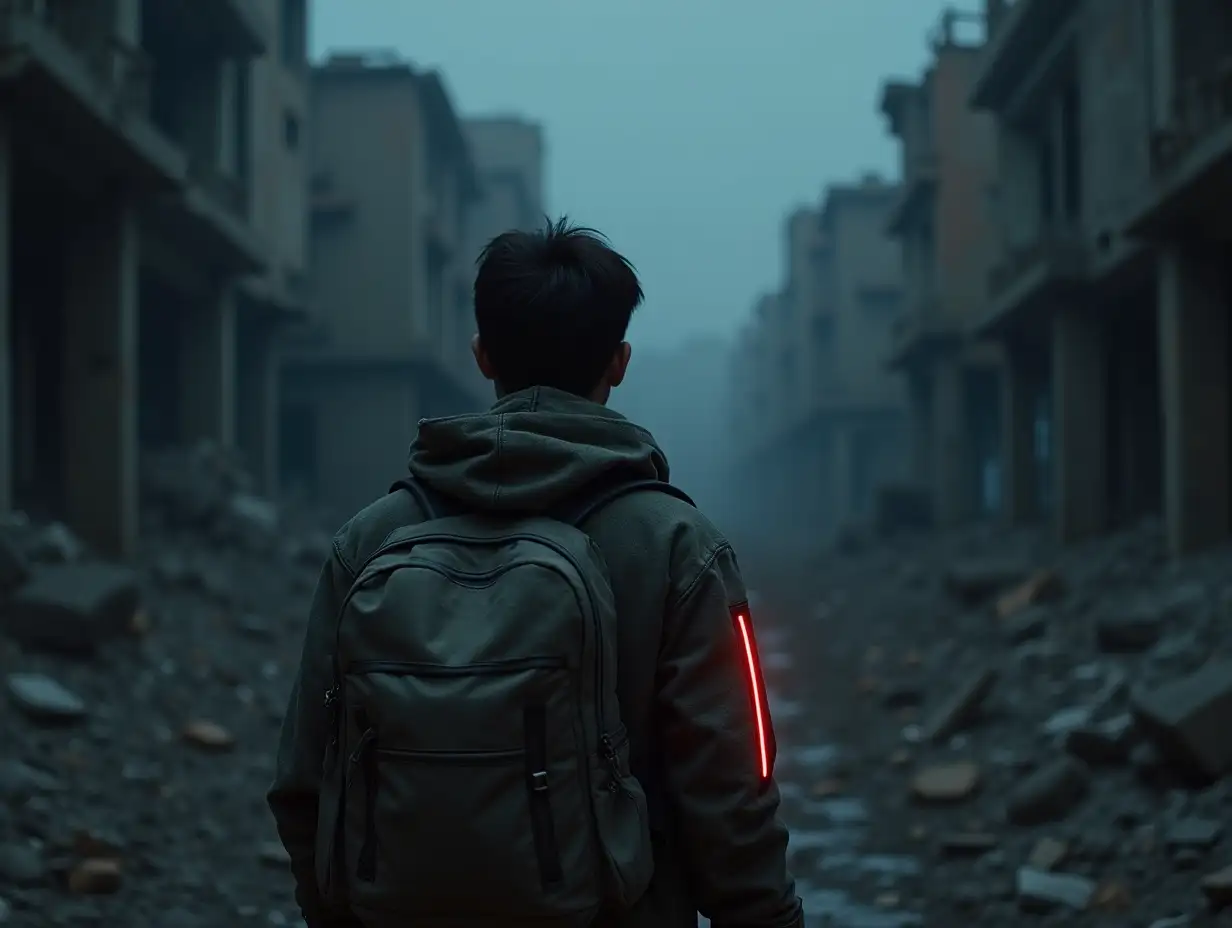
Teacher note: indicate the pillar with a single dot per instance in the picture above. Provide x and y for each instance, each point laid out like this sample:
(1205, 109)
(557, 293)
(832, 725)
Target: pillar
(1193, 345)
(920, 427)
(1019, 388)
(100, 371)
(257, 399)
(950, 443)
(207, 383)
(6, 319)
(1080, 423)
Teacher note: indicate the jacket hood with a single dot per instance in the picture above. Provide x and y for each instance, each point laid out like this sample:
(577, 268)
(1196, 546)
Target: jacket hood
(531, 450)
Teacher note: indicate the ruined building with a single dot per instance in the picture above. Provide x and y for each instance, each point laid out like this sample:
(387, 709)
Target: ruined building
(128, 162)
(825, 421)
(1101, 332)
(508, 152)
(1183, 213)
(392, 181)
(945, 224)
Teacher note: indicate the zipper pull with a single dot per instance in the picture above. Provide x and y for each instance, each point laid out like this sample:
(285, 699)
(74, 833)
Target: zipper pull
(331, 696)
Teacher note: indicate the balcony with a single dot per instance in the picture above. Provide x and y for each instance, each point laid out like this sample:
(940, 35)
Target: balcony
(235, 28)
(1191, 162)
(920, 173)
(1026, 34)
(209, 219)
(1052, 269)
(919, 332)
(64, 73)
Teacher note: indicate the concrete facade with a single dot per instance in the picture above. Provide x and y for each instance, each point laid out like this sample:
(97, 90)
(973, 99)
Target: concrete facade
(827, 420)
(279, 128)
(118, 292)
(392, 181)
(1186, 146)
(1073, 295)
(509, 153)
(944, 223)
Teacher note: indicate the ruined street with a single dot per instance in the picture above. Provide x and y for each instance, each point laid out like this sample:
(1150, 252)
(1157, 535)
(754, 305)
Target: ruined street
(972, 725)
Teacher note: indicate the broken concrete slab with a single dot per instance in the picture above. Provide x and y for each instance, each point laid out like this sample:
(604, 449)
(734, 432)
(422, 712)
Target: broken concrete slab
(1049, 793)
(975, 580)
(1187, 719)
(962, 706)
(42, 699)
(1104, 743)
(1040, 891)
(946, 783)
(1028, 625)
(72, 608)
(1043, 586)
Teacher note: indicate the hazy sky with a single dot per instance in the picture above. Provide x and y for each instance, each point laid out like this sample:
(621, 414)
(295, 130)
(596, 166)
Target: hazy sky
(683, 129)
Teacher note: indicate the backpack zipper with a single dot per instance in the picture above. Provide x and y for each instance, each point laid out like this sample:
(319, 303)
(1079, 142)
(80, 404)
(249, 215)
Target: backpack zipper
(364, 757)
(366, 576)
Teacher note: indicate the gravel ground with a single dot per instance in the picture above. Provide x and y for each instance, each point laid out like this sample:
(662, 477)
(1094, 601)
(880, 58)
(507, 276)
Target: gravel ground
(975, 728)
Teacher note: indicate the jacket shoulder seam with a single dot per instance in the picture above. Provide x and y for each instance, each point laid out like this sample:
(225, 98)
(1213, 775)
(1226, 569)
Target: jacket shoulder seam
(342, 558)
(718, 548)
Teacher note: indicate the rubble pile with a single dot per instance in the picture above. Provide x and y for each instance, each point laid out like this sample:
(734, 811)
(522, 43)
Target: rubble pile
(141, 704)
(1046, 733)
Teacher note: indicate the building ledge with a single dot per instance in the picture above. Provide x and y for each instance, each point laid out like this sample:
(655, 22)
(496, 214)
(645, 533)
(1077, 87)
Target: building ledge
(1015, 45)
(920, 334)
(235, 27)
(1191, 164)
(918, 187)
(1031, 279)
(94, 94)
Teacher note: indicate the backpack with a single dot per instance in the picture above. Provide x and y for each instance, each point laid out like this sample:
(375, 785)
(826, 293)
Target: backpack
(479, 769)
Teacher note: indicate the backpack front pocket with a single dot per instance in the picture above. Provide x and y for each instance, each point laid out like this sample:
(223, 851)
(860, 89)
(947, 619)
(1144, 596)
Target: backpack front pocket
(466, 785)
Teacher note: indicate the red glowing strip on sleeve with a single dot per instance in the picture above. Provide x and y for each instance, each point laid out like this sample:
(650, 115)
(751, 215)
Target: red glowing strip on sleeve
(752, 666)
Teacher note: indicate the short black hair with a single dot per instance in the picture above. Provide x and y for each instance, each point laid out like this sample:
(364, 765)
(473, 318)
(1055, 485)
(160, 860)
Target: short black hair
(552, 306)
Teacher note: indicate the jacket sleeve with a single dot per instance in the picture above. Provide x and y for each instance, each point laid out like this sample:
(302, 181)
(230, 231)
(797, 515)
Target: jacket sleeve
(301, 749)
(734, 844)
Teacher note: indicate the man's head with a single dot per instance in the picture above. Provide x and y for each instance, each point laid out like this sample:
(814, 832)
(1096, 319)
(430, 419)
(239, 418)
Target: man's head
(552, 308)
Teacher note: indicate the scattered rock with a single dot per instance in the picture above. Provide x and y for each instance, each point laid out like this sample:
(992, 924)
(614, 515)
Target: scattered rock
(973, 581)
(945, 783)
(21, 865)
(1106, 743)
(1042, 586)
(1187, 719)
(1028, 625)
(1048, 854)
(44, 700)
(56, 544)
(72, 608)
(1193, 833)
(1217, 887)
(209, 736)
(1049, 793)
(962, 707)
(1130, 630)
(95, 876)
(1039, 891)
(967, 844)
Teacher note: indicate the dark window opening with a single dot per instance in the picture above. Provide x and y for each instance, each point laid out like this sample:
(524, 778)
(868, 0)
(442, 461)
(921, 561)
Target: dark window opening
(290, 130)
(1071, 147)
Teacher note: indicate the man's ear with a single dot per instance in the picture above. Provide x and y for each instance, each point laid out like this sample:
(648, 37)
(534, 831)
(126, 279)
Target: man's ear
(619, 365)
(481, 359)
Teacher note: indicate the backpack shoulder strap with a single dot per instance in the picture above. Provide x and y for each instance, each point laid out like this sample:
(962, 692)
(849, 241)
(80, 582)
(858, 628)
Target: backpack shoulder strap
(435, 505)
(583, 510)
(432, 504)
